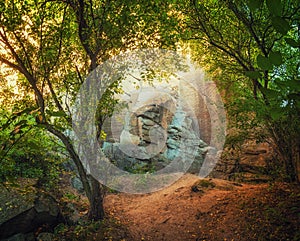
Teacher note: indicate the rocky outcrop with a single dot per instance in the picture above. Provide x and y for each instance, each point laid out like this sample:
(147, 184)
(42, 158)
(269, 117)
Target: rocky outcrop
(155, 135)
(23, 210)
(250, 163)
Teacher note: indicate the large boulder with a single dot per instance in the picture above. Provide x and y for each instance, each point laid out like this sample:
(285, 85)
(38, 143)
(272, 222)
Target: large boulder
(156, 136)
(25, 209)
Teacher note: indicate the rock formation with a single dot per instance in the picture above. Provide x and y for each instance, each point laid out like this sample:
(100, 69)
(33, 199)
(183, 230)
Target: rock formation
(22, 211)
(159, 131)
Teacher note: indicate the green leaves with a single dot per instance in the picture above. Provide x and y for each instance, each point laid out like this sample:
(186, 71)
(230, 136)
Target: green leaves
(267, 63)
(253, 74)
(56, 113)
(275, 7)
(281, 25)
(261, 37)
(271, 94)
(292, 42)
(276, 113)
(263, 62)
(254, 4)
(275, 58)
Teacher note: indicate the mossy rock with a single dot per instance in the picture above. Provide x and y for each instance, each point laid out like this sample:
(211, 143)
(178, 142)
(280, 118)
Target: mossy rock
(24, 208)
(203, 184)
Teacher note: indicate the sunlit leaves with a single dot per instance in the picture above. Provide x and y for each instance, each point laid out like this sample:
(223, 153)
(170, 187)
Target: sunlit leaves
(269, 57)
(56, 113)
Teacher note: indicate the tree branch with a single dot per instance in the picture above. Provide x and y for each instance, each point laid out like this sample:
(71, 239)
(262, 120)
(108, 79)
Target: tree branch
(248, 25)
(22, 69)
(74, 156)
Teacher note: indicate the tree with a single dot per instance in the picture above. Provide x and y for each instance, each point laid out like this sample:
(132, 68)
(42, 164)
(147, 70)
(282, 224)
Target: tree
(257, 42)
(53, 45)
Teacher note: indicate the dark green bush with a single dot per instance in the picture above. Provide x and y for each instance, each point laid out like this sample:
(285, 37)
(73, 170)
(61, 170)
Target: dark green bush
(27, 151)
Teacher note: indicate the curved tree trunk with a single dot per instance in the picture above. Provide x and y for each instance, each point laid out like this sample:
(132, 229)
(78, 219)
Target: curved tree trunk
(93, 189)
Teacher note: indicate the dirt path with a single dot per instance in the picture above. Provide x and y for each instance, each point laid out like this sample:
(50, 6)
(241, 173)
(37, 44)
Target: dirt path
(186, 211)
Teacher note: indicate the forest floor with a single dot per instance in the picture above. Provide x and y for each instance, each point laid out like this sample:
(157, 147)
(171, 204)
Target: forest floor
(208, 209)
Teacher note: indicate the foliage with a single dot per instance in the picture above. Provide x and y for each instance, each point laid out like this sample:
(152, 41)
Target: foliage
(106, 107)
(107, 229)
(254, 45)
(54, 45)
(28, 151)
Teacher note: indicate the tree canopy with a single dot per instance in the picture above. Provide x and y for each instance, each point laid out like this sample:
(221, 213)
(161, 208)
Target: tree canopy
(254, 44)
(48, 48)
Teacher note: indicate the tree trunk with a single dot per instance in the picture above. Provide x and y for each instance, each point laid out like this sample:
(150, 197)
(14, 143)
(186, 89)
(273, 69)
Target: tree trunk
(93, 189)
(287, 145)
(297, 164)
(96, 211)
